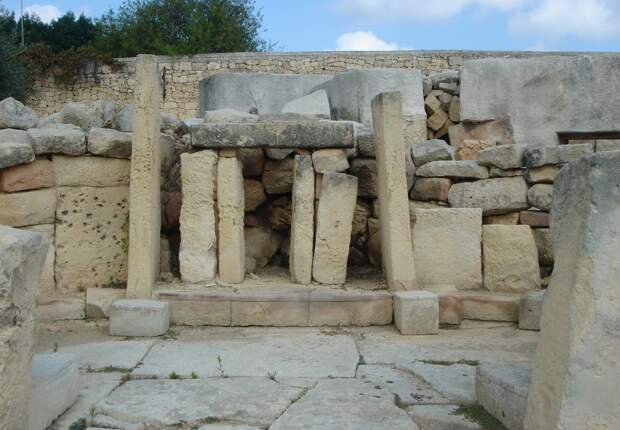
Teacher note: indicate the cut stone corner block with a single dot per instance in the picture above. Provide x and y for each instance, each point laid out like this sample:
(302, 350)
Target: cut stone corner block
(530, 310)
(416, 312)
(139, 318)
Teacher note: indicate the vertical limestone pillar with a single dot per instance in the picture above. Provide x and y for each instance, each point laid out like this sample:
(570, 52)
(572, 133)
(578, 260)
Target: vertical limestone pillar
(302, 223)
(333, 229)
(576, 371)
(144, 187)
(396, 245)
(198, 250)
(230, 206)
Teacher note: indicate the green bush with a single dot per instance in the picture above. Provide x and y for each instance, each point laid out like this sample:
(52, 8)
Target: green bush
(15, 80)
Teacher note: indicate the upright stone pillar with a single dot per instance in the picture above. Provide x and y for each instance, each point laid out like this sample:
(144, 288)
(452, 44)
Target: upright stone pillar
(198, 250)
(396, 245)
(302, 223)
(230, 205)
(577, 366)
(144, 187)
(333, 228)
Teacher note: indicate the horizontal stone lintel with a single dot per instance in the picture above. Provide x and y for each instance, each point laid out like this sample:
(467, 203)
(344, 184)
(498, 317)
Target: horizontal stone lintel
(273, 134)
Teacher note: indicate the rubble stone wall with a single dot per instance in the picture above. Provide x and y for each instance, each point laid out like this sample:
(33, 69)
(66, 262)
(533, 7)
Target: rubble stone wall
(182, 74)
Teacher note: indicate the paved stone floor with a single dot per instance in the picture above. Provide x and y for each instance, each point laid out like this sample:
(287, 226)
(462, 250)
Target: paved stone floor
(281, 378)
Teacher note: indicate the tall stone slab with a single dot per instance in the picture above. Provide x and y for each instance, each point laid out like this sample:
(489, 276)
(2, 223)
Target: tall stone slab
(144, 189)
(576, 370)
(396, 246)
(230, 206)
(333, 228)
(21, 259)
(198, 250)
(302, 223)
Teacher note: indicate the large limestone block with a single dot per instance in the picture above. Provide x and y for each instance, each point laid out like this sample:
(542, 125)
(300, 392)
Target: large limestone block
(47, 284)
(198, 249)
(67, 140)
(527, 91)
(446, 247)
(396, 248)
(89, 115)
(139, 317)
(416, 312)
(495, 196)
(15, 153)
(13, 114)
(510, 258)
(90, 171)
(302, 223)
(350, 93)
(21, 259)
(144, 188)
(230, 205)
(91, 237)
(38, 174)
(255, 92)
(107, 142)
(547, 155)
(575, 379)
(333, 229)
(28, 208)
(315, 104)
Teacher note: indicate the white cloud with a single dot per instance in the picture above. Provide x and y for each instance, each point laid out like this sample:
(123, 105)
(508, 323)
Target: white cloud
(364, 41)
(46, 12)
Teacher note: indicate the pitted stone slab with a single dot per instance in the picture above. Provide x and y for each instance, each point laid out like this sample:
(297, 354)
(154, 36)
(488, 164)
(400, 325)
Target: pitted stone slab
(290, 354)
(253, 401)
(118, 354)
(306, 134)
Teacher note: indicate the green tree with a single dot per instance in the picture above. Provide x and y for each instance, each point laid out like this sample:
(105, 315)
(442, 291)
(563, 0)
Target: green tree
(181, 27)
(14, 78)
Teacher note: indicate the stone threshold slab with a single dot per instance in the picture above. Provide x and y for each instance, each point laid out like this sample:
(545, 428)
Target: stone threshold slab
(273, 134)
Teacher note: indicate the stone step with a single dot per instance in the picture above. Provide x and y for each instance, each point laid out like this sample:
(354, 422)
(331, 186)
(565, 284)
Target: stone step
(275, 306)
(489, 306)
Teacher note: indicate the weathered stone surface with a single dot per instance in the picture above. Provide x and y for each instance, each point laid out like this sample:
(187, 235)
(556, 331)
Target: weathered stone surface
(278, 176)
(13, 114)
(28, 208)
(485, 306)
(530, 310)
(47, 284)
(123, 120)
(330, 161)
(299, 133)
(446, 245)
(505, 88)
(544, 155)
(578, 347)
(146, 160)
(64, 140)
(608, 145)
(254, 194)
(510, 259)
(466, 169)
(456, 382)
(502, 391)
(21, 259)
(435, 189)
(416, 312)
(534, 218)
(261, 243)
(494, 196)
(469, 149)
(333, 229)
(540, 196)
(343, 404)
(366, 172)
(350, 93)
(8, 135)
(503, 156)
(497, 132)
(315, 104)
(544, 244)
(139, 317)
(61, 308)
(15, 153)
(55, 118)
(38, 174)
(302, 223)
(253, 160)
(230, 205)
(256, 401)
(91, 237)
(90, 171)
(55, 388)
(431, 150)
(543, 174)
(198, 249)
(396, 248)
(88, 115)
(98, 301)
(255, 92)
(109, 143)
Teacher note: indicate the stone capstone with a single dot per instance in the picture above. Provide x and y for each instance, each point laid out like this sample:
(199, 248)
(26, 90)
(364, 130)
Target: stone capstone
(63, 140)
(109, 143)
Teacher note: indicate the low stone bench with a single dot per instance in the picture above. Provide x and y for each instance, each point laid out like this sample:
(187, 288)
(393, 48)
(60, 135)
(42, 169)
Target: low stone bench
(416, 312)
(139, 318)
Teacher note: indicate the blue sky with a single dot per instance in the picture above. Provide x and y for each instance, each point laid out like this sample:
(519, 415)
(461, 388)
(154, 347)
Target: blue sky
(318, 25)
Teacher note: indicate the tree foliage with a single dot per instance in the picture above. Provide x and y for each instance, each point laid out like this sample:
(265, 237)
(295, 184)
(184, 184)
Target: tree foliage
(14, 76)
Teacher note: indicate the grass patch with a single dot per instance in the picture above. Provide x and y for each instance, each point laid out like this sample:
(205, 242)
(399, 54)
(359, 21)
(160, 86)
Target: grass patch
(477, 414)
(79, 425)
(174, 375)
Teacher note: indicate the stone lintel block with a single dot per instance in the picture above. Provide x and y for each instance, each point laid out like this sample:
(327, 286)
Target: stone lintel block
(139, 317)
(485, 306)
(530, 310)
(416, 312)
(306, 134)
